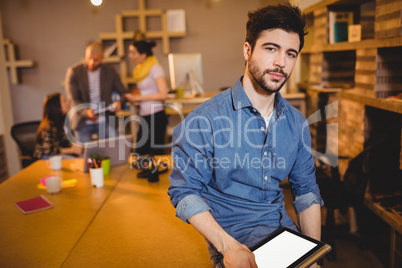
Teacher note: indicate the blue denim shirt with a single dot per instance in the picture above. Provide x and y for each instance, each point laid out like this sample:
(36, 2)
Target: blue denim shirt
(227, 162)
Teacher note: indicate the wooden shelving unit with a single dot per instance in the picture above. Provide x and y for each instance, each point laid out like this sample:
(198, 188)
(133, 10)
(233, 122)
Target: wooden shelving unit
(385, 33)
(343, 46)
(388, 104)
(140, 18)
(367, 70)
(365, 81)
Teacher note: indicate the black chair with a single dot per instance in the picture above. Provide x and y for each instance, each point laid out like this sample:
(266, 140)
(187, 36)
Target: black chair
(24, 135)
(342, 194)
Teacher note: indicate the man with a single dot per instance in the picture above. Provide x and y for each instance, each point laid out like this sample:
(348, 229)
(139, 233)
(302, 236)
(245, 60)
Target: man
(232, 152)
(90, 87)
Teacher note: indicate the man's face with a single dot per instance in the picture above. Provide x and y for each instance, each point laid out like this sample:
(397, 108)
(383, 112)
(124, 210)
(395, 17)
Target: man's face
(273, 58)
(93, 58)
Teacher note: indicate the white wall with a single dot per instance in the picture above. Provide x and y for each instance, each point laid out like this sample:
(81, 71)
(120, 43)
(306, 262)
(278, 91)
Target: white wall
(6, 116)
(303, 4)
(54, 34)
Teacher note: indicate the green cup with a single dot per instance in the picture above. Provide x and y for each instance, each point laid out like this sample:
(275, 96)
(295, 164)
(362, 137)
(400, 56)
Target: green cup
(106, 166)
(180, 93)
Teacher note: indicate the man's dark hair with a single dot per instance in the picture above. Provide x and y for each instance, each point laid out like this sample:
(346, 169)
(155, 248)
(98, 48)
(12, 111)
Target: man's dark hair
(285, 17)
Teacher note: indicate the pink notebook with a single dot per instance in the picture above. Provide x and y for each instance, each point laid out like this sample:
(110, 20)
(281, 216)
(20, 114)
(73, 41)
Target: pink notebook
(34, 204)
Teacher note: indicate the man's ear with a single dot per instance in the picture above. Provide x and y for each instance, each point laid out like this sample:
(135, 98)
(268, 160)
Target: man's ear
(247, 51)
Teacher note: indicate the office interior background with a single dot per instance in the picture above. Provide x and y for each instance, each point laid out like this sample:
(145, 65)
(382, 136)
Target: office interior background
(54, 34)
(51, 35)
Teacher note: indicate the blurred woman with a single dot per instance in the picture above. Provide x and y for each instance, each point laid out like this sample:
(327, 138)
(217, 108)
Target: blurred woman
(51, 138)
(151, 82)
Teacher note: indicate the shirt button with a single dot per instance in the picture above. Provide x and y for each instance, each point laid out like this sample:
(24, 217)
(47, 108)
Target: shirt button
(265, 153)
(266, 177)
(262, 129)
(254, 110)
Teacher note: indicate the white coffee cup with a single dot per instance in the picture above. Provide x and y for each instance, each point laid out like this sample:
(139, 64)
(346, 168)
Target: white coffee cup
(53, 185)
(96, 176)
(54, 162)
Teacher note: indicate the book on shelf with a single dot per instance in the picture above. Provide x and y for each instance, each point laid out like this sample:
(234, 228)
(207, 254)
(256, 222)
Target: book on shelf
(338, 23)
(355, 33)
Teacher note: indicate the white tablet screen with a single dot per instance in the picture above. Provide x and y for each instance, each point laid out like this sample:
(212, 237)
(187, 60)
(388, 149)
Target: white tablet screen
(282, 251)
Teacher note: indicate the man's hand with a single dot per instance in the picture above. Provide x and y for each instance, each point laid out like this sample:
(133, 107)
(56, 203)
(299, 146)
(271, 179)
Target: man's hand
(91, 116)
(77, 150)
(239, 256)
(234, 253)
(117, 106)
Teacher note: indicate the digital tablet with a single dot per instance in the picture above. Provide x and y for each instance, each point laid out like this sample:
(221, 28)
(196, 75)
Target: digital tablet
(105, 109)
(288, 248)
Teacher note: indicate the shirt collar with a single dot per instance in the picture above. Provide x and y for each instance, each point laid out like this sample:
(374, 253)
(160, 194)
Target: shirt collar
(241, 100)
(280, 106)
(239, 96)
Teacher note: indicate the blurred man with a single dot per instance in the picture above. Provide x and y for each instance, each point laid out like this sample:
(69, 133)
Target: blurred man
(89, 88)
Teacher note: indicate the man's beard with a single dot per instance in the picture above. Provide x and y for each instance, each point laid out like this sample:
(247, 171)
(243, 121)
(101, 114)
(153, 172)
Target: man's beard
(258, 77)
(94, 68)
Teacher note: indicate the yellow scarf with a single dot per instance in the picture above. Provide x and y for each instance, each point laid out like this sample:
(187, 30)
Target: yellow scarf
(141, 71)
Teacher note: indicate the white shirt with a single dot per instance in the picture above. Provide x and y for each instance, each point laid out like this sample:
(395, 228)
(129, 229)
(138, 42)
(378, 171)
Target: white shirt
(148, 86)
(267, 119)
(94, 94)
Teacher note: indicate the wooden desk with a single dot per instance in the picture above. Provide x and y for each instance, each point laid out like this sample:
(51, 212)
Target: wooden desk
(395, 222)
(186, 105)
(137, 227)
(127, 223)
(45, 238)
(178, 109)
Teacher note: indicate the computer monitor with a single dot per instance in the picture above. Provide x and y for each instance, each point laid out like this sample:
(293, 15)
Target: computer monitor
(186, 71)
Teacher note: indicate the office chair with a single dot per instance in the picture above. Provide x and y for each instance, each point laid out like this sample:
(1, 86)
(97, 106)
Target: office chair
(342, 194)
(24, 135)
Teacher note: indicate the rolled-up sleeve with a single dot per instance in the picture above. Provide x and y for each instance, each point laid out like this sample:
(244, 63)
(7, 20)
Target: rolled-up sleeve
(302, 176)
(188, 179)
(303, 202)
(190, 206)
